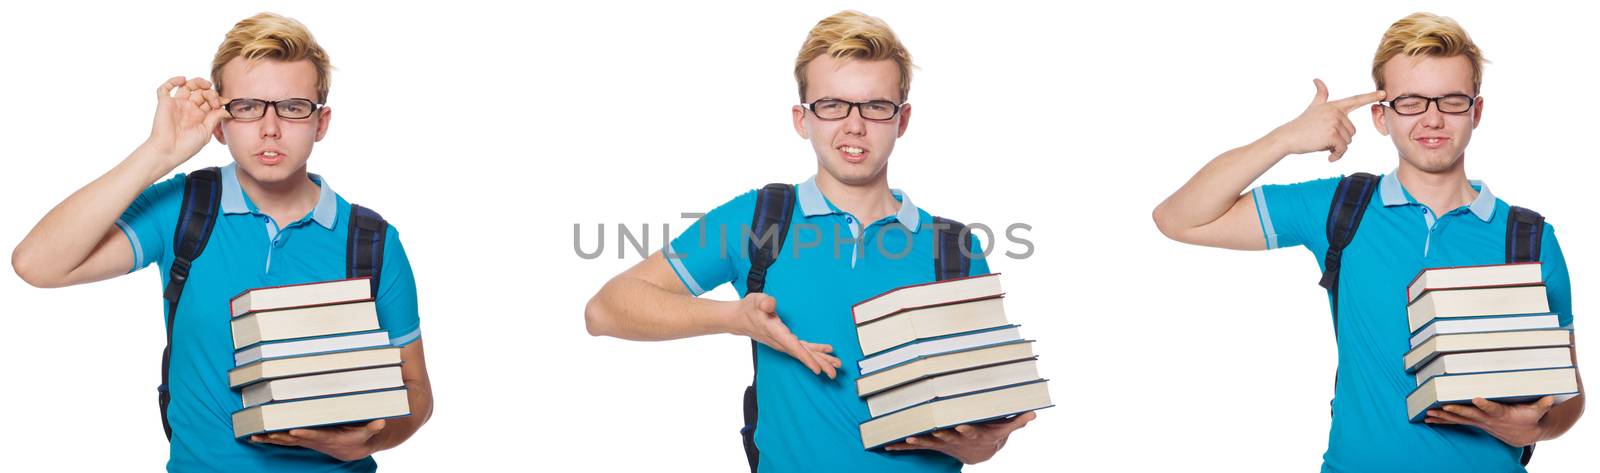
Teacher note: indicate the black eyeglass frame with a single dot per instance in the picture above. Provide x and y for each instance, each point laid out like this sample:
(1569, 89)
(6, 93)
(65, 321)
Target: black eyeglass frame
(274, 105)
(856, 106)
(1472, 101)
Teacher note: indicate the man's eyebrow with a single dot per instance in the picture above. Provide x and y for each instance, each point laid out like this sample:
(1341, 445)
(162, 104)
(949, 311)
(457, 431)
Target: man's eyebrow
(871, 99)
(1414, 94)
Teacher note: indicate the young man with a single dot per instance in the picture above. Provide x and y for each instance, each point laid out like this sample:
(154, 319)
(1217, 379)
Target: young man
(1424, 214)
(275, 225)
(852, 237)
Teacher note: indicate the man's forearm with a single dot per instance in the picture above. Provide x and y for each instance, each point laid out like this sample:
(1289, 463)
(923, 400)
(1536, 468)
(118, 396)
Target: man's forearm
(1561, 418)
(1212, 190)
(69, 233)
(633, 309)
(396, 431)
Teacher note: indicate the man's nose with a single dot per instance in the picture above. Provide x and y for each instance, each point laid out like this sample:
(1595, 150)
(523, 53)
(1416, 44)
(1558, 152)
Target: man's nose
(268, 125)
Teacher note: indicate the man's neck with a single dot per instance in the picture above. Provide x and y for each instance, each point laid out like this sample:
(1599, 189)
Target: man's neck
(1440, 191)
(286, 202)
(869, 202)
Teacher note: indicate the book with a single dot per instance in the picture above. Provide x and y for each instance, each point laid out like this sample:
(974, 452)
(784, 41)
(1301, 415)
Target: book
(1497, 360)
(923, 295)
(304, 322)
(1492, 275)
(1473, 302)
(250, 354)
(321, 412)
(1513, 387)
(931, 321)
(319, 385)
(943, 413)
(925, 347)
(300, 295)
(312, 364)
(934, 365)
(1491, 323)
(1484, 341)
(951, 384)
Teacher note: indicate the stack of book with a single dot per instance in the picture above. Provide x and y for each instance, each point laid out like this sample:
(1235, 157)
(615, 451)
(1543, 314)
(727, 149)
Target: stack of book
(1485, 331)
(312, 355)
(940, 355)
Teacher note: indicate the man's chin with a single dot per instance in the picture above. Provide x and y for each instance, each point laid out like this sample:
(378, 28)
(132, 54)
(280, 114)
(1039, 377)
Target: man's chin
(1433, 164)
(274, 174)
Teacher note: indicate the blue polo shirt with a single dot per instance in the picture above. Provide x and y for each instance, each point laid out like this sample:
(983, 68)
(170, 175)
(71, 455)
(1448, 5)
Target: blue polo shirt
(247, 249)
(1398, 237)
(830, 261)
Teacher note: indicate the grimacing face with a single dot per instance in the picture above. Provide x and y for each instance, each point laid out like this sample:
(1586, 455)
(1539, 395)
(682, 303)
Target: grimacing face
(270, 150)
(1434, 141)
(852, 150)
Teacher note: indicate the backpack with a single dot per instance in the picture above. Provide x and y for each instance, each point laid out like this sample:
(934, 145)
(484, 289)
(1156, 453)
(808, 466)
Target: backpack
(202, 197)
(774, 207)
(1524, 231)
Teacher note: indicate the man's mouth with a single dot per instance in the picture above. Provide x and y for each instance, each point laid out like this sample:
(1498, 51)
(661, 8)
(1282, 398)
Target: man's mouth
(853, 154)
(269, 157)
(1432, 142)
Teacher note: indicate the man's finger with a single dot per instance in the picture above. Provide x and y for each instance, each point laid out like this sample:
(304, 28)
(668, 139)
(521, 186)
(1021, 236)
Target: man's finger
(309, 434)
(1493, 409)
(1349, 128)
(214, 117)
(1456, 419)
(791, 345)
(377, 425)
(1469, 412)
(967, 431)
(1322, 92)
(165, 89)
(768, 304)
(281, 438)
(820, 347)
(826, 365)
(1349, 104)
(1338, 151)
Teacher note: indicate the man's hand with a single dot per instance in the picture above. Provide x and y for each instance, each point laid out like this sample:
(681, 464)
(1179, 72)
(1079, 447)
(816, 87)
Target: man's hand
(1323, 126)
(968, 443)
(346, 443)
(186, 113)
(1515, 424)
(756, 316)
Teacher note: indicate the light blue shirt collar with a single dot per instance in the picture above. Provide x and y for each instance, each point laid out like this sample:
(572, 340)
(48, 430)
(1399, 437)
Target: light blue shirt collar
(326, 213)
(1392, 194)
(813, 203)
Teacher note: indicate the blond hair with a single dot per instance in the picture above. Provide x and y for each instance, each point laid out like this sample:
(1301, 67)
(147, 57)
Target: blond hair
(853, 35)
(1427, 34)
(276, 37)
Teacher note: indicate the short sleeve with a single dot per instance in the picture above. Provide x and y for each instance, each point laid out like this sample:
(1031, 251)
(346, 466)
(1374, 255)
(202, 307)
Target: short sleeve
(397, 293)
(1295, 214)
(1556, 284)
(704, 256)
(980, 264)
(151, 219)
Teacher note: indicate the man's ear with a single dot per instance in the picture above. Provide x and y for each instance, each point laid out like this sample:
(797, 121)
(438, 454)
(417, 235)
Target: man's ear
(1477, 113)
(799, 117)
(217, 133)
(905, 120)
(324, 115)
(1379, 119)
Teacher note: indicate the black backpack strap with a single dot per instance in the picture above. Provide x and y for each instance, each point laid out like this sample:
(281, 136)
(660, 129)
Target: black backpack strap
(1350, 201)
(769, 226)
(364, 245)
(202, 195)
(953, 257)
(1524, 234)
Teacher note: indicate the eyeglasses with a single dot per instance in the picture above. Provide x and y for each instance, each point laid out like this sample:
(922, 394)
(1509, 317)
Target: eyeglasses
(252, 109)
(1416, 105)
(835, 109)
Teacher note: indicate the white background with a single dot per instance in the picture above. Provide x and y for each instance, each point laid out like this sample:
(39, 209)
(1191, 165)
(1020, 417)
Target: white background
(1077, 121)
